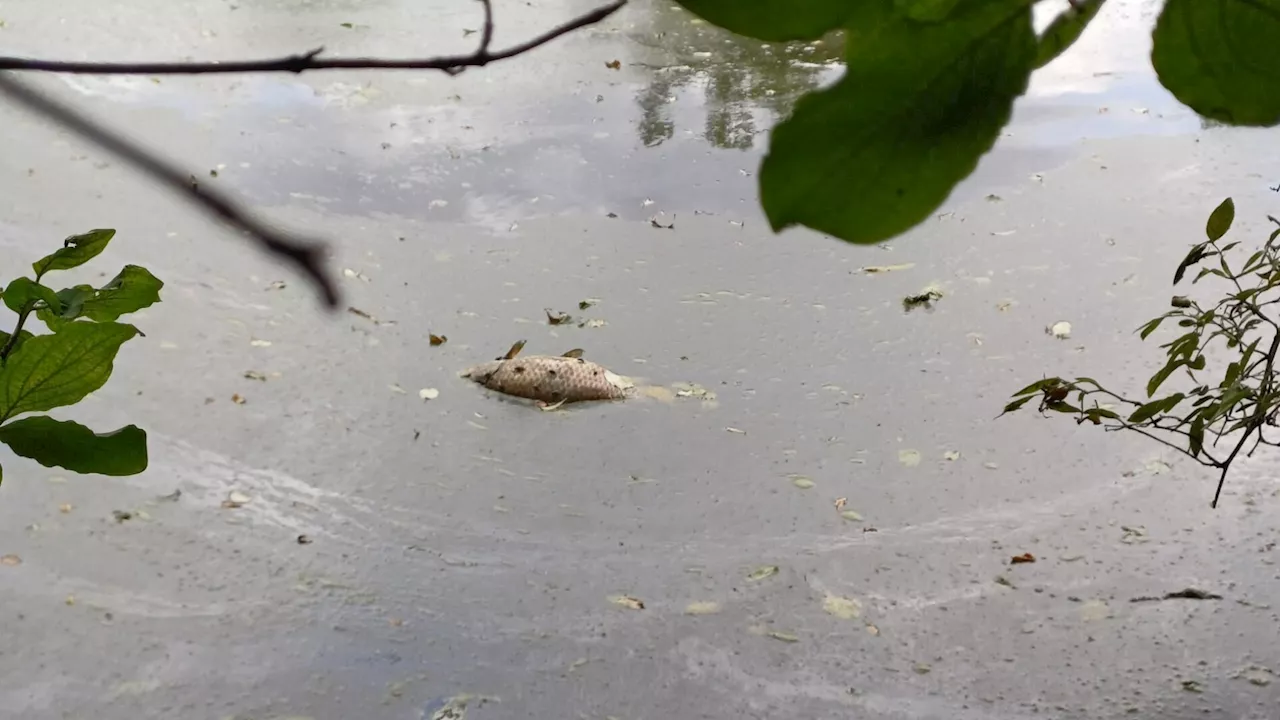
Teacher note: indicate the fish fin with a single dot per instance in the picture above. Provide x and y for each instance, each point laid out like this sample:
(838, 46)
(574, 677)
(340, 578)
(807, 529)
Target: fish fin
(514, 351)
(574, 353)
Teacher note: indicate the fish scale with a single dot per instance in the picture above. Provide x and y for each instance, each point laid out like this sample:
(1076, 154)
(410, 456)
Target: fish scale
(550, 379)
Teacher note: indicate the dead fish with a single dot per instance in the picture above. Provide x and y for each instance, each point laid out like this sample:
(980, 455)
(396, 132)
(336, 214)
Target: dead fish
(550, 379)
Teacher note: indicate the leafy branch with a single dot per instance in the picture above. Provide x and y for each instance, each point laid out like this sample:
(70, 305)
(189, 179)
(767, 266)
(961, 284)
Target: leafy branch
(305, 255)
(1241, 405)
(42, 372)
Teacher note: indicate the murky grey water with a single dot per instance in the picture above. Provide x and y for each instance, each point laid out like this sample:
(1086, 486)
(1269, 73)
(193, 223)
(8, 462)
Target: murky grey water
(471, 546)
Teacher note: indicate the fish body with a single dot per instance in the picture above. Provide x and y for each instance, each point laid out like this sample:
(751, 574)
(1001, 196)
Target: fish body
(550, 379)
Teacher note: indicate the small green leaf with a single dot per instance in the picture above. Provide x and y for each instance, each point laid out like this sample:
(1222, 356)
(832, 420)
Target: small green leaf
(1065, 30)
(1155, 407)
(1233, 374)
(1216, 55)
(1060, 406)
(76, 250)
(75, 447)
(1106, 413)
(1194, 256)
(774, 20)
(131, 290)
(1198, 363)
(1015, 405)
(1151, 326)
(1195, 436)
(918, 105)
(1220, 221)
(23, 292)
(1163, 374)
(50, 371)
(1038, 386)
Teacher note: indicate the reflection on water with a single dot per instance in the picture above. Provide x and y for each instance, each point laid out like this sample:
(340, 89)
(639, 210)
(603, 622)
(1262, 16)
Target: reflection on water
(746, 85)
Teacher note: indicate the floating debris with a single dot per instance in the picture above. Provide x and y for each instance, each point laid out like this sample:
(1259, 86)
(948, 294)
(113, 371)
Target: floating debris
(557, 318)
(924, 299)
(121, 515)
(260, 343)
(653, 222)
(878, 269)
(428, 393)
(1060, 330)
(627, 601)
(614, 64)
(702, 607)
(437, 340)
(802, 482)
(10, 560)
(1022, 559)
(845, 608)
(584, 304)
(1184, 594)
(254, 375)
(1193, 686)
(735, 431)
(951, 455)
(238, 399)
(235, 499)
(909, 458)
(851, 515)
(303, 540)
(762, 572)
(171, 497)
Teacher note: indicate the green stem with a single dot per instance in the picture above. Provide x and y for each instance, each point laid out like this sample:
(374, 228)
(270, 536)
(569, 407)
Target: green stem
(17, 330)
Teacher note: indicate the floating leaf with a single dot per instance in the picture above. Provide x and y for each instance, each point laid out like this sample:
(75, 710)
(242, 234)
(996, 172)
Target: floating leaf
(951, 455)
(702, 607)
(762, 572)
(1060, 330)
(254, 375)
(909, 458)
(783, 636)
(614, 64)
(428, 393)
(802, 482)
(49, 371)
(11, 560)
(736, 431)
(924, 299)
(438, 339)
(1023, 558)
(627, 601)
(845, 608)
(878, 269)
(851, 515)
(72, 446)
(76, 250)
(238, 399)
(235, 499)
(584, 304)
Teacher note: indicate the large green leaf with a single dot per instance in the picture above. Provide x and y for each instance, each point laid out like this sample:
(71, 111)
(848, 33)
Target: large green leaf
(23, 291)
(774, 20)
(1220, 220)
(22, 337)
(918, 106)
(131, 290)
(76, 250)
(72, 302)
(75, 447)
(1065, 30)
(926, 10)
(49, 371)
(1221, 58)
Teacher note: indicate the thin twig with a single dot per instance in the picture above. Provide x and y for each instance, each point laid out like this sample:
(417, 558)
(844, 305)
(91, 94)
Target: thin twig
(312, 60)
(306, 256)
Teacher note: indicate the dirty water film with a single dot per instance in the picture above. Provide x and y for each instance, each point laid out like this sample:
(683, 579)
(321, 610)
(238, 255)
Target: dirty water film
(805, 508)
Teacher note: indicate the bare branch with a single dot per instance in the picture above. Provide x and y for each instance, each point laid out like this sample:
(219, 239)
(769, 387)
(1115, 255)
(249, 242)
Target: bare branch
(307, 257)
(452, 64)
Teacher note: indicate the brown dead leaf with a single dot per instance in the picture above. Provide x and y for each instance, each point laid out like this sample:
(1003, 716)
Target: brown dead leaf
(238, 399)
(360, 313)
(10, 560)
(627, 601)
(557, 318)
(841, 502)
(438, 339)
(574, 353)
(1023, 558)
(614, 64)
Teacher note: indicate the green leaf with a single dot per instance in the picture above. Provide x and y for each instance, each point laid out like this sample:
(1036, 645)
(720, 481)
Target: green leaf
(72, 303)
(925, 10)
(1218, 57)
(50, 371)
(22, 292)
(1197, 364)
(1104, 412)
(1039, 385)
(917, 107)
(75, 447)
(1151, 326)
(1015, 405)
(1193, 257)
(1233, 374)
(773, 20)
(1155, 407)
(1065, 30)
(1195, 436)
(76, 250)
(131, 290)
(1163, 374)
(1219, 222)
(22, 338)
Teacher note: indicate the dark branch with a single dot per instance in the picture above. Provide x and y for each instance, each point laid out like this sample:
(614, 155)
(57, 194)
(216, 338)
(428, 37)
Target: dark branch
(452, 64)
(307, 257)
